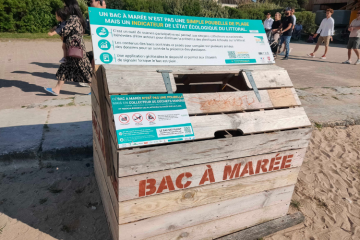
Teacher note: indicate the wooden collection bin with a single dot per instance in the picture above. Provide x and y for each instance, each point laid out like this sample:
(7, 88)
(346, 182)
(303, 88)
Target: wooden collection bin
(239, 171)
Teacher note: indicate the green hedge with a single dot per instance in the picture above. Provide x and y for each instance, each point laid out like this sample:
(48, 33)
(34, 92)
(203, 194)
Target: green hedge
(28, 15)
(39, 15)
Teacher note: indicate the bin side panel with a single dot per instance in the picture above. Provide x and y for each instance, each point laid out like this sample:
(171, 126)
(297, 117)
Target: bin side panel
(110, 181)
(249, 122)
(199, 215)
(120, 82)
(226, 225)
(156, 205)
(110, 214)
(136, 186)
(151, 159)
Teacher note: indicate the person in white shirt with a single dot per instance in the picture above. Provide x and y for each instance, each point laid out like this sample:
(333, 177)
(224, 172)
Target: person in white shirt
(354, 39)
(292, 14)
(268, 24)
(326, 31)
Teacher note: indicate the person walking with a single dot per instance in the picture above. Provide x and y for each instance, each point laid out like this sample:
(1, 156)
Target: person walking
(77, 68)
(326, 31)
(268, 25)
(354, 39)
(286, 31)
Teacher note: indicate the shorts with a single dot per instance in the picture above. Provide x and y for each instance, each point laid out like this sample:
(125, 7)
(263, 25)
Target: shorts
(354, 43)
(325, 39)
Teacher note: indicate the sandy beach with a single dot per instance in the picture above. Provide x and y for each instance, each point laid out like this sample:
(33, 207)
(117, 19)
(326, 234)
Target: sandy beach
(61, 200)
(328, 187)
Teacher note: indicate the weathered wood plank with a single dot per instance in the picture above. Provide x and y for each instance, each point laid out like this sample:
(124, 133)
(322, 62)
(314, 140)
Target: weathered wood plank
(269, 79)
(151, 206)
(234, 102)
(120, 82)
(141, 160)
(226, 225)
(94, 83)
(282, 97)
(111, 182)
(102, 87)
(199, 215)
(249, 122)
(141, 185)
(192, 69)
(266, 228)
(98, 133)
(109, 211)
(298, 102)
(96, 107)
(111, 124)
(200, 103)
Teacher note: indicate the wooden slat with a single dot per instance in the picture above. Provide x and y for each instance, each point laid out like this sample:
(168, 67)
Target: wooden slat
(94, 83)
(151, 206)
(111, 124)
(229, 102)
(192, 69)
(151, 159)
(96, 107)
(298, 102)
(110, 186)
(267, 228)
(269, 79)
(102, 88)
(282, 97)
(226, 225)
(129, 187)
(199, 215)
(120, 82)
(249, 122)
(200, 103)
(104, 193)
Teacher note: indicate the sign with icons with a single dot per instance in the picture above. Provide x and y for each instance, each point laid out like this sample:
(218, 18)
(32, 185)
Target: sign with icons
(151, 119)
(138, 38)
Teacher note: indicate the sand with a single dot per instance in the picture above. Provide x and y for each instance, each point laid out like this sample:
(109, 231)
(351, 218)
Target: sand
(328, 187)
(60, 200)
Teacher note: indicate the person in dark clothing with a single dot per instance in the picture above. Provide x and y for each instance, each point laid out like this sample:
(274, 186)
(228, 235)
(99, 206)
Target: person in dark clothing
(275, 27)
(62, 15)
(286, 31)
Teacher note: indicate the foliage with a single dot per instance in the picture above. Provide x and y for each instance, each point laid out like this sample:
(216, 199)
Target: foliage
(212, 9)
(28, 15)
(38, 16)
(307, 19)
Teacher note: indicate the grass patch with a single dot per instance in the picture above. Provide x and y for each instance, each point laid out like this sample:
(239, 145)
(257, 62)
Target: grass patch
(44, 106)
(43, 200)
(305, 88)
(335, 97)
(2, 228)
(7, 35)
(295, 204)
(318, 126)
(70, 104)
(61, 105)
(55, 190)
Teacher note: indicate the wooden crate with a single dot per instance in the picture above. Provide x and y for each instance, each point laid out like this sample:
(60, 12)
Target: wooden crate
(239, 171)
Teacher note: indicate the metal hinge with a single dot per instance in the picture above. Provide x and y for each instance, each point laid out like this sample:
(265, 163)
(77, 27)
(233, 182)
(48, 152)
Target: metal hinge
(166, 78)
(252, 82)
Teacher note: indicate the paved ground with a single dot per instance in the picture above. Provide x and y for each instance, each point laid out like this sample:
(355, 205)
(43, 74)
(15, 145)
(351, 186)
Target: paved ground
(314, 72)
(26, 67)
